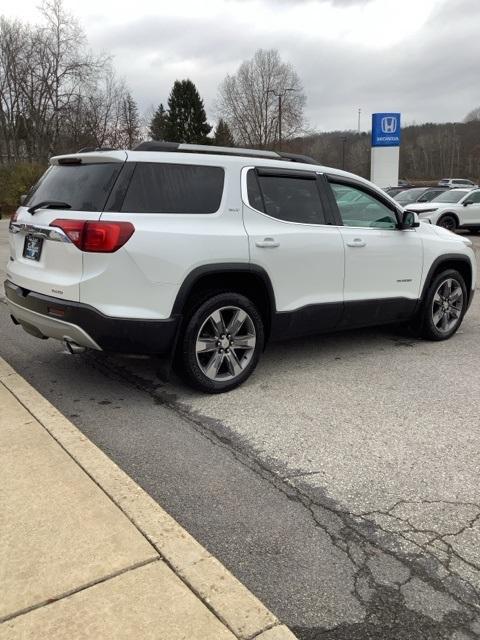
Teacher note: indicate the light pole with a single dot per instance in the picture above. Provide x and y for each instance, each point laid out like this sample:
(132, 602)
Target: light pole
(275, 127)
(453, 148)
(344, 140)
(280, 97)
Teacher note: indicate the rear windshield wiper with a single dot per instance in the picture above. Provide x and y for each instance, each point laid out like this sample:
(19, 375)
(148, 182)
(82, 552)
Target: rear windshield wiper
(49, 204)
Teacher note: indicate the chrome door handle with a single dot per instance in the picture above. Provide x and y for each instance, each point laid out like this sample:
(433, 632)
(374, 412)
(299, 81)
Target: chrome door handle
(356, 242)
(267, 243)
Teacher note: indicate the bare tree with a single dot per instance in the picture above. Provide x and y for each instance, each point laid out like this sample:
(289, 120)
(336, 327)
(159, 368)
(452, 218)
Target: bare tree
(55, 97)
(473, 115)
(249, 100)
(103, 110)
(70, 68)
(47, 82)
(13, 38)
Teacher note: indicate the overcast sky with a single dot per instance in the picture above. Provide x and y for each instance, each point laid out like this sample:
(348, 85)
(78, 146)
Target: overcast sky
(419, 57)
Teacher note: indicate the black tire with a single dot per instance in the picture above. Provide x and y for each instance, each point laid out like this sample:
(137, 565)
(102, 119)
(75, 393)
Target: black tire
(200, 327)
(431, 307)
(448, 221)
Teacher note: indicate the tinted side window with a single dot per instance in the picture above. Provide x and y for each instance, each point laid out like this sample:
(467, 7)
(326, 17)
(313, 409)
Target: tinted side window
(360, 209)
(290, 199)
(85, 187)
(174, 188)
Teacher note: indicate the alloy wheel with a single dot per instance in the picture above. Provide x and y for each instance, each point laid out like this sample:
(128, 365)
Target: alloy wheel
(447, 305)
(225, 344)
(448, 223)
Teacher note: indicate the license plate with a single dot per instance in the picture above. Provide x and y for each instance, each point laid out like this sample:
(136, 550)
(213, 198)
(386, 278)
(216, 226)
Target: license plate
(32, 248)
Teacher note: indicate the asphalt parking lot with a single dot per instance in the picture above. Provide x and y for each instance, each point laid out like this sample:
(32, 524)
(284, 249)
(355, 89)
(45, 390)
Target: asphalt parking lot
(375, 434)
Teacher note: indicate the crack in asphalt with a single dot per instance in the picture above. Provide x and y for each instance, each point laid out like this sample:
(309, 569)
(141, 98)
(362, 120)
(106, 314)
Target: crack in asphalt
(430, 547)
(406, 584)
(382, 592)
(300, 474)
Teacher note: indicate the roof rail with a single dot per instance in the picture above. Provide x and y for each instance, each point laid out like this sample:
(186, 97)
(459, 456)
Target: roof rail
(90, 149)
(181, 147)
(296, 157)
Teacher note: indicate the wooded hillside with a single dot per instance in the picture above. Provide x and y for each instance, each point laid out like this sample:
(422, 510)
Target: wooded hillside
(428, 152)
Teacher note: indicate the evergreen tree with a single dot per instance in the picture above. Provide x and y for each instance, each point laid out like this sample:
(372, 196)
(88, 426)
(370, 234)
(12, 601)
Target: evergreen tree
(158, 124)
(129, 129)
(187, 120)
(223, 136)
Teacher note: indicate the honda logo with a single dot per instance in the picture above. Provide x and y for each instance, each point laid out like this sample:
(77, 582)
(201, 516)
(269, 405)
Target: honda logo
(389, 124)
(386, 131)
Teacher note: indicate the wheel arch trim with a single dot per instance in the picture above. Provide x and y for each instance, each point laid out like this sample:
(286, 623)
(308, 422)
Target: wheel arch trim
(220, 269)
(445, 259)
(448, 213)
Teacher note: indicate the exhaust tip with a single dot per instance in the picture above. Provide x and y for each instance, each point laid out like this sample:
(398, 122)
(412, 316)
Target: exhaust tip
(73, 347)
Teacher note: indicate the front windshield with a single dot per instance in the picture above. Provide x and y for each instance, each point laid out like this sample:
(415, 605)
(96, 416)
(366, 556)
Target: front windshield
(450, 196)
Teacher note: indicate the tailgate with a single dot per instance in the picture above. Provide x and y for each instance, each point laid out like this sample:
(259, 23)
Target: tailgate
(42, 257)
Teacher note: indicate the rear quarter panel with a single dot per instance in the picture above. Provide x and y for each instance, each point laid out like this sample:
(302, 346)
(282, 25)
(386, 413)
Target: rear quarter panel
(143, 278)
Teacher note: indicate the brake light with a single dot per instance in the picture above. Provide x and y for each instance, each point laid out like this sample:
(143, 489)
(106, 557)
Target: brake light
(96, 236)
(72, 228)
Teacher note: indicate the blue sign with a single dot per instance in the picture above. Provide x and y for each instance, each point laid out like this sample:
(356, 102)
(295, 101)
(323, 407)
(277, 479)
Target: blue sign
(385, 129)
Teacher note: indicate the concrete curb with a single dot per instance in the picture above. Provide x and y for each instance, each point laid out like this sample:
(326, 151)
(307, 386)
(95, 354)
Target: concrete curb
(235, 606)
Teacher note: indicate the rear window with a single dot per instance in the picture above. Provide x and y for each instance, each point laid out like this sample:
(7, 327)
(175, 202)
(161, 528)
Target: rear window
(174, 188)
(85, 187)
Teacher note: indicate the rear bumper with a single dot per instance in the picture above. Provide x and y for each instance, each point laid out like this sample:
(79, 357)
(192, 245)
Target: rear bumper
(47, 317)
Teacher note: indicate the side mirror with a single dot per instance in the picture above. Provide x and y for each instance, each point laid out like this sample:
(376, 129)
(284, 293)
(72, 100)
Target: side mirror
(467, 202)
(409, 220)
(23, 198)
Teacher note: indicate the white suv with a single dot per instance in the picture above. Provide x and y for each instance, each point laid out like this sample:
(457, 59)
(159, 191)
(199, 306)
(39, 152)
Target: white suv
(204, 254)
(453, 183)
(453, 209)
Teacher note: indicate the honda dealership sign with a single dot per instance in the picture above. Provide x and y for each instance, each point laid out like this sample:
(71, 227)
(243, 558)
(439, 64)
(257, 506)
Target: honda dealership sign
(386, 130)
(385, 154)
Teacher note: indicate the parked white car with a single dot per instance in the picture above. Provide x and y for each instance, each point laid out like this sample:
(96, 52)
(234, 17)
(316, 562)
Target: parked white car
(454, 209)
(454, 183)
(204, 254)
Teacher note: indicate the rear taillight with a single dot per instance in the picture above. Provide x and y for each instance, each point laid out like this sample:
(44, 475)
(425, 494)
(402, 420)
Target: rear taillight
(96, 236)
(72, 228)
